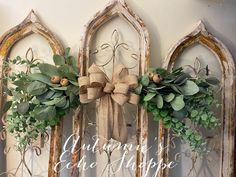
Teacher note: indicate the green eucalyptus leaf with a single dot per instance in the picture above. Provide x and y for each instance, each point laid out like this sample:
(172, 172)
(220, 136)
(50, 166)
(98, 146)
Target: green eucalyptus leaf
(57, 94)
(159, 101)
(59, 88)
(213, 119)
(168, 98)
(35, 100)
(167, 119)
(47, 95)
(162, 72)
(58, 60)
(74, 83)
(67, 52)
(157, 118)
(72, 89)
(194, 113)
(68, 71)
(53, 122)
(213, 81)
(17, 95)
(138, 89)
(198, 138)
(190, 88)
(149, 96)
(45, 112)
(71, 60)
(175, 88)
(188, 132)
(7, 106)
(168, 81)
(180, 114)
(48, 69)
(61, 102)
(156, 112)
(163, 113)
(152, 86)
(181, 79)
(8, 91)
(204, 117)
(160, 87)
(178, 125)
(72, 96)
(167, 125)
(60, 112)
(145, 80)
(23, 107)
(76, 69)
(178, 103)
(40, 77)
(177, 71)
(21, 84)
(174, 120)
(37, 88)
(203, 84)
(67, 105)
(53, 102)
(151, 106)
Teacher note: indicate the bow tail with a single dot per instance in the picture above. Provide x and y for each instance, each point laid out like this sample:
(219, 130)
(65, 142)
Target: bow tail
(119, 128)
(104, 121)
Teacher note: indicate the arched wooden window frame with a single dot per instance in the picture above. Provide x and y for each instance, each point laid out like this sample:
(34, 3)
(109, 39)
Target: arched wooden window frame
(32, 25)
(116, 8)
(201, 36)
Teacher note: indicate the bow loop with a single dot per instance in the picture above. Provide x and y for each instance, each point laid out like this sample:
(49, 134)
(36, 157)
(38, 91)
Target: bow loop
(83, 83)
(119, 74)
(97, 76)
(131, 80)
(94, 93)
(97, 80)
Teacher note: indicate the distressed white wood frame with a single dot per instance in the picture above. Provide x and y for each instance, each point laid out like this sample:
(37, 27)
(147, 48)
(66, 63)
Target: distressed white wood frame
(201, 36)
(113, 9)
(32, 25)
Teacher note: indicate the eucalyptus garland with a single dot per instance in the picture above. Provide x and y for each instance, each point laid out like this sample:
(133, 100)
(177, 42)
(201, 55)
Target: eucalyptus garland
(40, 99)
(173, 97)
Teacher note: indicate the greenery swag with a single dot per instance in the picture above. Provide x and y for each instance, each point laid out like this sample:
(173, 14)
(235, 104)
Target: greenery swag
(40, 98)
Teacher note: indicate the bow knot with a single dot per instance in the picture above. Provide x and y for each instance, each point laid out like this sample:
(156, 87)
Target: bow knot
(112, 94)
(97, 84)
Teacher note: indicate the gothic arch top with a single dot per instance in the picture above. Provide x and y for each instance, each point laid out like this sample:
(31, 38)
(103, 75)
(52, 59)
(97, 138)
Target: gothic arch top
(115, 8)
(202, 36)
(30, 25)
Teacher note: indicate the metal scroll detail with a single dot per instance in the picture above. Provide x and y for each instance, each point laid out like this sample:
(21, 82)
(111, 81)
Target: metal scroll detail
(113, 9)
(32, 25)
(114, 47)
(201, 36)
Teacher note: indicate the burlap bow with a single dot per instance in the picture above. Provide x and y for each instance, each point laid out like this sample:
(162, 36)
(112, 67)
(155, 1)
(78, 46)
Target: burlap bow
(112, 94)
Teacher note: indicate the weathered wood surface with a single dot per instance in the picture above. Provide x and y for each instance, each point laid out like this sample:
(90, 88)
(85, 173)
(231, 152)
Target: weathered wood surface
(78, 121)
(32, 25)
(202, 36)
(113, 9)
